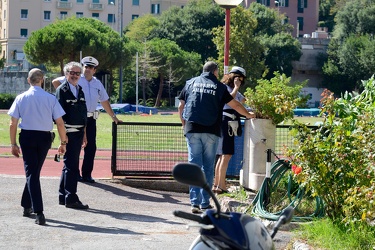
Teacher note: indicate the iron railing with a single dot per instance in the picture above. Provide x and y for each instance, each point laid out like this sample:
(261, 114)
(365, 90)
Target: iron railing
(152, 149)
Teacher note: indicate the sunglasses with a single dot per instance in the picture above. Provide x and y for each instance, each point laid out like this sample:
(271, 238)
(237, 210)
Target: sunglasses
(239, 78)
(89, 66)
(72, 73)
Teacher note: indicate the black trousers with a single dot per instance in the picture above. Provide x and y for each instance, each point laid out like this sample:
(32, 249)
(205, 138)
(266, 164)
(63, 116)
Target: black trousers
(34, 146)
(70, 171)
(90, 149)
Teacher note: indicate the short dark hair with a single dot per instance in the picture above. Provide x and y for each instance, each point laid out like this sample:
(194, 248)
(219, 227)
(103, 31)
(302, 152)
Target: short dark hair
(210, 66)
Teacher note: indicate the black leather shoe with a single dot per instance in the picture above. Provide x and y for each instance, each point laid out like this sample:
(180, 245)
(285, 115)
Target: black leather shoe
(88, 179)
(79, 178)
(40, 219)
(61, 202)
(27, 212)
(77, 205)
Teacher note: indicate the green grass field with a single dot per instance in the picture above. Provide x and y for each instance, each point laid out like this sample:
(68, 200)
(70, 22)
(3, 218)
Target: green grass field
(104, 126)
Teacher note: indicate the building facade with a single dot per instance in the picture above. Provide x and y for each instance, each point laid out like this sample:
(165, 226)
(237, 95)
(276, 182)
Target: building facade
(302, 14)
(18, 18)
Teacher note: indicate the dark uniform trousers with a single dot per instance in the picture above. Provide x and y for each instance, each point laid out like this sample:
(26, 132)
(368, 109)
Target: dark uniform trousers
(34, 145)
(70, 171)
(90, 149)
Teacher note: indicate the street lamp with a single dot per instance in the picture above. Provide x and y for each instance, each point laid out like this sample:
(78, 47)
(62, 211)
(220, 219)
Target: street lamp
(227, 5)
(278, 6)
(113, 17)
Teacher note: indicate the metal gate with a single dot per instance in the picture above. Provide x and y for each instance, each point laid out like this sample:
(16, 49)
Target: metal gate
(147, 149)
(152, 149)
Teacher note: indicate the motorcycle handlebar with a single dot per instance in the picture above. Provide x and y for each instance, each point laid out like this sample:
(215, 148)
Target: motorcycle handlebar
(188, 216)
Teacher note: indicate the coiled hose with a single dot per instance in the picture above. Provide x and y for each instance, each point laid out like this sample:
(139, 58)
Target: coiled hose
(278, 169)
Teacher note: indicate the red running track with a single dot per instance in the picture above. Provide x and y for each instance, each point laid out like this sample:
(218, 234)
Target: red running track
(11, 165)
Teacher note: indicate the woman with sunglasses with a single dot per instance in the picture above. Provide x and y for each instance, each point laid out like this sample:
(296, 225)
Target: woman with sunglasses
(225, 150)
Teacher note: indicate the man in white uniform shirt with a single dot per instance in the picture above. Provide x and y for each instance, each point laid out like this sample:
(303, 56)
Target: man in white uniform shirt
(94, 92)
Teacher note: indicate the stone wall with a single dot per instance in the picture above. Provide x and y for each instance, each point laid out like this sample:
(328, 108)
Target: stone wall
(13, 82)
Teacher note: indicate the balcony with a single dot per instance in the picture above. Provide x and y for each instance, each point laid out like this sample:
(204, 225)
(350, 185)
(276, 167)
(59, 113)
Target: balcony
(64, 5)
(96, 6)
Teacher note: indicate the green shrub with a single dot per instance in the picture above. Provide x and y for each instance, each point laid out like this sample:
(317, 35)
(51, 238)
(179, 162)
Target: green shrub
(338, 159)
(6, 100)
(275, 99)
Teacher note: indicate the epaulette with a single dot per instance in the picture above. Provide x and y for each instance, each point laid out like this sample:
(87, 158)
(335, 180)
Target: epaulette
(65, 87)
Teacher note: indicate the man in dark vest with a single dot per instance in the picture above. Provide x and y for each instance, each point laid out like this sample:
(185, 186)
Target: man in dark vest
(201, 107)
(72, 99)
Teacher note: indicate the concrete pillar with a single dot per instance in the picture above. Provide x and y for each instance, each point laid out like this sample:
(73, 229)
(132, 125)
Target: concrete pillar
(259, 135)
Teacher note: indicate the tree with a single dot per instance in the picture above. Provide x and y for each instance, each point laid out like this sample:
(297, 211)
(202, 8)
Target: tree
(245, 50)
(351, 52)
(140, 28)
(327, 13)
(190, 27)
(281, 50)
(172, 59)
(356, 17)
(259, 42)
(62, 41)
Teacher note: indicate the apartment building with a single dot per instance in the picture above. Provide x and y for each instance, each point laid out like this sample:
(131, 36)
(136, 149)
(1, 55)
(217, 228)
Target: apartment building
(18, 18)
(302, 14)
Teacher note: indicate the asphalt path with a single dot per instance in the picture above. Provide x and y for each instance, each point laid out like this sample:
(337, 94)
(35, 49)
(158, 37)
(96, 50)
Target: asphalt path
(120, 216)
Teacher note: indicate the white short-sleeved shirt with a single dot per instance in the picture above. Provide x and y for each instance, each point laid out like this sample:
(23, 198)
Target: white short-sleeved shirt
(36, 108)
(239, 97)
(94, 91)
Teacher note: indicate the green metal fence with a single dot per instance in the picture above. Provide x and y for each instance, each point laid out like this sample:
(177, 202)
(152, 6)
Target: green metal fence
(152, 149)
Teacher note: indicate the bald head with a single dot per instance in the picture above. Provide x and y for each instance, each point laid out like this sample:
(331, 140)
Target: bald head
(35, 76)
(210, 66)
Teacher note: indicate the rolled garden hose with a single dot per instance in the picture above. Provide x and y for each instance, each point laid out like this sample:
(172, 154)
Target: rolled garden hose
(278, 169)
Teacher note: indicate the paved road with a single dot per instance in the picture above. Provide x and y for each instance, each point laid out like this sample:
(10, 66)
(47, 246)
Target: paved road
(120, 216)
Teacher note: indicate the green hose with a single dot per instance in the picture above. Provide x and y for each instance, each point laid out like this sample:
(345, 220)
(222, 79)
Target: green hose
(278, 169)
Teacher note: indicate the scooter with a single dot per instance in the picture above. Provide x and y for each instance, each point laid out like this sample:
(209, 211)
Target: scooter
(220, 230)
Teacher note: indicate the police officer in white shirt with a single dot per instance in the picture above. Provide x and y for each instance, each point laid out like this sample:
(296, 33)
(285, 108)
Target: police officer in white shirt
(36, 109)
(94, 92)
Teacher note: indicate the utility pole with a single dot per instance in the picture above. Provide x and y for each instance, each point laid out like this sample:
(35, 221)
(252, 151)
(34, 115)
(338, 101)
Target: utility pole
(121, 67)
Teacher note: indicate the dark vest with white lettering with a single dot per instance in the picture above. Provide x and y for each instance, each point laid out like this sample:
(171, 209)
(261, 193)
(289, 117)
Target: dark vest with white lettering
(203, 99)
(75, 108)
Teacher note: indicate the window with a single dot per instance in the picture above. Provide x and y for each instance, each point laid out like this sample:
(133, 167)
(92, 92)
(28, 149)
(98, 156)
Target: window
(95, 15)
(111, 18)
(300, 23)
(155, 8)
(5, 14)
(47, 0)
(24, 33)
(79, 1)
(95, 1)
(135, 2)
(79, 14)
(24, 14)
(112, 2)
(5, 33)
(134, 16)
(47, 15)
(282, 3)
(264, 2)
(63, 14)
(302, 4)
